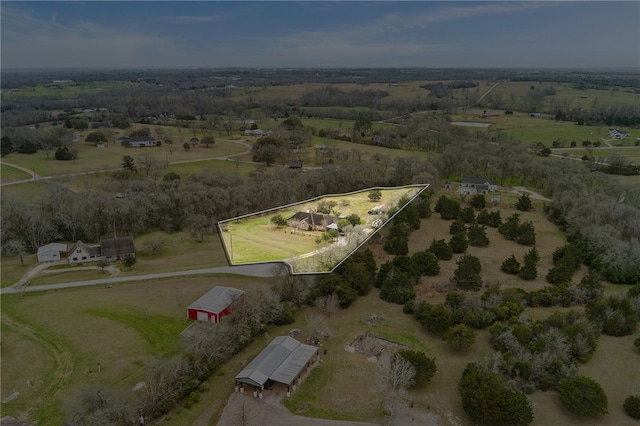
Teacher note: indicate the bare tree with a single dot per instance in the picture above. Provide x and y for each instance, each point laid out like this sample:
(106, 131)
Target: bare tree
(246, 415)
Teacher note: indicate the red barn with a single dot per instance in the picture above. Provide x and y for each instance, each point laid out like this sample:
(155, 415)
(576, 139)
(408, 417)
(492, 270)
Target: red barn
(214, 304)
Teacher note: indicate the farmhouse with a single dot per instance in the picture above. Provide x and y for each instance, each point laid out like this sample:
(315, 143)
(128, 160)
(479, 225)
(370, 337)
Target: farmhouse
(618, 134)
(81, 253)
(477, 185)
(52, 252)
(282, 362)
(138, 142)
(114, 249)
(311, 221)
(214, 304)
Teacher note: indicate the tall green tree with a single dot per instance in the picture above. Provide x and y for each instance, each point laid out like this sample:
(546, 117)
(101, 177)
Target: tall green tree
(583, 396)
(467, 274)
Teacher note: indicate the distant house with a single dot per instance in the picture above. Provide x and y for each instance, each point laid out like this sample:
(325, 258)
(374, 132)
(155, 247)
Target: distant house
(477, 185)
(99, 125)
(447, 185)
(81, 253)
(214, 304)
(617, 134)
(140, 141)
(311, 221)
(254, 132)
(52, 252)
(114, 249)
(295, 164)
(378, 209)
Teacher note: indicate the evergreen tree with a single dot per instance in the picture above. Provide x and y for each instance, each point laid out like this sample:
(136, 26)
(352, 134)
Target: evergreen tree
(526, 234)
(511, 228)
(458, 243)
(478, 236)
(426, 263)
(511, 265)
(467, 215)
(529, 270)
(441, 249)
(583, 396)
(457, 226)
(467, 274)
(478, 201)
(524, 203)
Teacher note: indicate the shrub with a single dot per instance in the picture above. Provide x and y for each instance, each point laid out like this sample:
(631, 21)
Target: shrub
(457, 226)
(426, 263)
(511, 265)
(467, 274)
(441, 249)
(632, 406)
(458, 243)
(460, 337)
(478, 201)
(583, 396)
(524, 203)
(487, 401)
(478, 236)
(425, 367)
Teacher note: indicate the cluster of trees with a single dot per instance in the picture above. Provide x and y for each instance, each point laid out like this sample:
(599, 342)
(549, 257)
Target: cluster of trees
(353, 278)
(521, 232)
(169, 381)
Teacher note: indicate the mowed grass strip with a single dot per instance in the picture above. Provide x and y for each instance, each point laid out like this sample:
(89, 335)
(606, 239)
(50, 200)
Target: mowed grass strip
(159, 331)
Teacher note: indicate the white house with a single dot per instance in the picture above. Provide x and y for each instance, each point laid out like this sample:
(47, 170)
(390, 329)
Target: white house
(477, 185)
(52, 252)
(81, 253)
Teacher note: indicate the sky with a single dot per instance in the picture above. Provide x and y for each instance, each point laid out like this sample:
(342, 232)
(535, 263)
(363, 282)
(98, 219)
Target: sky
(319, 34)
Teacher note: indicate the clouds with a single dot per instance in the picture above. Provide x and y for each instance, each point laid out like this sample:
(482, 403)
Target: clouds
(317, 34)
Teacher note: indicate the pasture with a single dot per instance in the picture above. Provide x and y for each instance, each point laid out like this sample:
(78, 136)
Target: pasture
(55, 338)
(583, 98)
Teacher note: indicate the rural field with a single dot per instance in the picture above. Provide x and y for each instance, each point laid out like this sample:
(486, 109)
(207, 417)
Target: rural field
(56, 343)
(254, 238)
(53, 339)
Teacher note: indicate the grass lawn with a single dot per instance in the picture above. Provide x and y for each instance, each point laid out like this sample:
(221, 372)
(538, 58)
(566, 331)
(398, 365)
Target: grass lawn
(255, 239)
(13, 270)
(53, 338)
(577, 97)
(91, 158)
(11, 174)
(632, 154)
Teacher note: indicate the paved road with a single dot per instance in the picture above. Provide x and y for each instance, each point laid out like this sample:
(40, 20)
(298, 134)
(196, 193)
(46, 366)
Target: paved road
(257, 270)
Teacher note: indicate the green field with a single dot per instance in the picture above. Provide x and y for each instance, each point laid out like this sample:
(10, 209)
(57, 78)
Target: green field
(585, 98)
(92, 159)
(255, 239)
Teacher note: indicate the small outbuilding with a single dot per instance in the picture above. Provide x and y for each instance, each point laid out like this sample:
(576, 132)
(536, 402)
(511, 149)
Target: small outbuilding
(52, 252)
(214, 304)
(284, 361)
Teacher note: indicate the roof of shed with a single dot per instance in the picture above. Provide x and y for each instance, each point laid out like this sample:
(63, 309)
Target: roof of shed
(53, 247)
(117, 246)
(281, 361)
(216, 299)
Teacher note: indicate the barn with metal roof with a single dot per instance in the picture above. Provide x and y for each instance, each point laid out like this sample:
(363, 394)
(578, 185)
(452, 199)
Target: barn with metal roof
(214, 304)
(283, 361)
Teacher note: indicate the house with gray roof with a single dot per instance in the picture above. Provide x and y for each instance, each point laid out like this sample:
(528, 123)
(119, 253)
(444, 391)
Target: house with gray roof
(311, 221)
(477, 185)
(214, 304)
(115, 249)
(282, 363)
